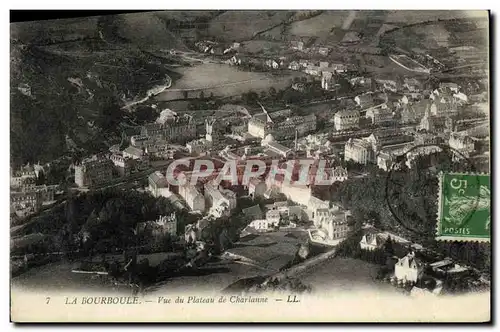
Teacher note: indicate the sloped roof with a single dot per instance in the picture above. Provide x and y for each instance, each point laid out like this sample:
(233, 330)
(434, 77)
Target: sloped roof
(253, 211)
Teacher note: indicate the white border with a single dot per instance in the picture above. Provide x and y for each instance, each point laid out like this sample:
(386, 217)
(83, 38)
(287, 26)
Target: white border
(189, 4)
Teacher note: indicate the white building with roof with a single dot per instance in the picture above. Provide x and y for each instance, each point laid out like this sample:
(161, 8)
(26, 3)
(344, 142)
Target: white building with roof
(193, 197)
(158, 185)
(409, 268)
(346, 119)
(359, 150)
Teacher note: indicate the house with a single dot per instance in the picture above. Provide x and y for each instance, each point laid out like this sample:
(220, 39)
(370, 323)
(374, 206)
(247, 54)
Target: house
(193, 197)
(323, 64)
(371, 241)
(158, 185)
(338, 67)
(360, 81)
(365, 100)
(304, 63)
(409, 268)
(272, 64)
(278, 149)
(313, 70)
(346, 119)
(332, 223)
(262, 225)
(454, 87)
(390, 85)
(273, 217)
(163, 225)
(219, 197)
(385, 160)
(297, 45)
(323, 51)
(412, 84)
(462, 143)
(328, 80)
(294, 65)
(299, 86)
(379, 114)
(93, 171)
(359, 150)
(234, 61)
(133, 152)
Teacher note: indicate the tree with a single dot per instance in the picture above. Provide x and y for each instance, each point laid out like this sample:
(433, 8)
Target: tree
(202, 95)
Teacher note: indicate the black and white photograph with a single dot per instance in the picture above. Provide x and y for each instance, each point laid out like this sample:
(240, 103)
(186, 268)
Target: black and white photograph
(250, 166)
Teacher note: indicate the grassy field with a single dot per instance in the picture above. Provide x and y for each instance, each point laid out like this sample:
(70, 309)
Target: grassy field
(223, 80)
(243, 25)
(344, 275)
(321, 24)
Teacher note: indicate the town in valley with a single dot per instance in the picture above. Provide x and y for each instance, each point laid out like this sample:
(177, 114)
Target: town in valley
(109, 113)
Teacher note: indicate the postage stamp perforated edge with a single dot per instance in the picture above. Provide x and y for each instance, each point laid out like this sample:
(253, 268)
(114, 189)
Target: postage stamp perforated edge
(440, 237)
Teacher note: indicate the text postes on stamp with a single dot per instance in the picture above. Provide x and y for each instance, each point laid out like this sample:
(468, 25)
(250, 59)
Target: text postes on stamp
(464, 207)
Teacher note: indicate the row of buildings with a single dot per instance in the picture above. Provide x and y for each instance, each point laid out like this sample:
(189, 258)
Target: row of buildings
(27, 194)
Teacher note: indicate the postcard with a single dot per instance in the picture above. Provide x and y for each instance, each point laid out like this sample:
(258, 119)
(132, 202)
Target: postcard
(251, 166)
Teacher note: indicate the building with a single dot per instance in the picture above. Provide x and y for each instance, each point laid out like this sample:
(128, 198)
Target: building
(193, 197)
(294, 65)
(454, 87)
(365, 100)
(409, 268)
(359, 150)
(297, 45)
(414, 112)
(346, 119)
(385, 160)
(217, 197)
(25, 176)
(134, 152)
(388, 138)
(462, 143)
(273, 217)
(262, 225)
(272, 64)
(162, 226)
(328, 80)
(45, 193)
(332, 222)
(444, 106)
(172, 129)
(324, 51)
(380, 114)
(25, 200)
(371, 242)
(313, 70)
(275, 148)
(158, 185)
(93, 171)
(412, 84)
(281, 125)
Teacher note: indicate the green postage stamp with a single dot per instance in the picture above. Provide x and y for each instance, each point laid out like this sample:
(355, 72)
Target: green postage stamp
(464, 207)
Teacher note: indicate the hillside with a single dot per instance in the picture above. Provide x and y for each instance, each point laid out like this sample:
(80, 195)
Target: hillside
(70, 78)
